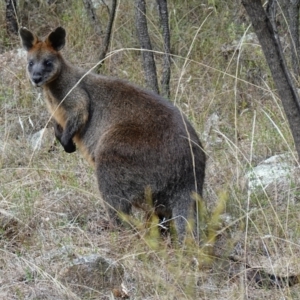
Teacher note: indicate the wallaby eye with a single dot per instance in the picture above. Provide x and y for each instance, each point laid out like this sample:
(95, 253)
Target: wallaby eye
(30, 64)
(48, 63)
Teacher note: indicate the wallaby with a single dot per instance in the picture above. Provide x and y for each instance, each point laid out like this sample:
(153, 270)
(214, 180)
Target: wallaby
(135, 139)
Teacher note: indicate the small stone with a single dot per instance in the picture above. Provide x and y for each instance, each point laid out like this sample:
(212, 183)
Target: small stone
(42, 139)
(94, 272)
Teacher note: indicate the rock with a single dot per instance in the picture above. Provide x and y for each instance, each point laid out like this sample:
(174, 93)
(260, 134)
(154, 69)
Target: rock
(94, 273)
(44, 138)
(275, 169)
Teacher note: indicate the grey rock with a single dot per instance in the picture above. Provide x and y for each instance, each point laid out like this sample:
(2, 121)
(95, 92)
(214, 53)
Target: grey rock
(274, 169)
(93, 273)
(44, 138)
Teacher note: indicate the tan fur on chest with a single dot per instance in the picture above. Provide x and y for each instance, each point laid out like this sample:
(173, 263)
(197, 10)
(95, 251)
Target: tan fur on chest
(59, 114)
(84, 151)
(56, 110)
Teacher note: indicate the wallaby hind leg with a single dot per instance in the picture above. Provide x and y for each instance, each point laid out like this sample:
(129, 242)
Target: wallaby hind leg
(183, 215)
(114, 206)
(113, 195)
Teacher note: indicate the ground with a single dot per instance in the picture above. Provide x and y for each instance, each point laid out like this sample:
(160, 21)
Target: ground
(53, 227)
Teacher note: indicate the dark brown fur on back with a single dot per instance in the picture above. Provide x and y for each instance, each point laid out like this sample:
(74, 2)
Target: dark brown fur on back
(135, 139)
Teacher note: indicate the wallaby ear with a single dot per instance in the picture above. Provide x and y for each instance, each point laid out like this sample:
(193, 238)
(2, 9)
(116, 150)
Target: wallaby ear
(56, 39)
(28, 38)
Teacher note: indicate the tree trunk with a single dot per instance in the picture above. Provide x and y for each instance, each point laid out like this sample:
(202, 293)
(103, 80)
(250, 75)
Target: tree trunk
(11, 17)
(145, 44)
(269, 41)
(164, 20)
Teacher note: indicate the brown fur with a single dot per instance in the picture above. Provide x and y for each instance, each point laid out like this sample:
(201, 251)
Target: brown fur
(135, 139)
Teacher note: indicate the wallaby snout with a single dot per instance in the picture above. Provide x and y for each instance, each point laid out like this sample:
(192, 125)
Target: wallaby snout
(135, 139)
(36, 77)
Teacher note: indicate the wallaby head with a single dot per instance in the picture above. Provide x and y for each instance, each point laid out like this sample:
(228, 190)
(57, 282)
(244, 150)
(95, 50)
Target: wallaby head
(43, 57)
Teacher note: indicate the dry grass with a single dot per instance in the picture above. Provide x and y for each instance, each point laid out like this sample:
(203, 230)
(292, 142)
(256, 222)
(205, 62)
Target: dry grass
(50, 208)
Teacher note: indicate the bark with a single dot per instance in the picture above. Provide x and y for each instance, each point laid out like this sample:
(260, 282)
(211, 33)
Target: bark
(271, 47)
(145, 45)
(293, 19)
(290, 9)
(164, 20)
(11, 16)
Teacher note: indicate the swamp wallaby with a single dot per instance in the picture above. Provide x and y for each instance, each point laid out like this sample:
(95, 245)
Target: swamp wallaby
(135, 139)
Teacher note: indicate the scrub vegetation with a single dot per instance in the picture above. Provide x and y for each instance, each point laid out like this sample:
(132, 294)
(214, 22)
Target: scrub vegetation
(50, 209)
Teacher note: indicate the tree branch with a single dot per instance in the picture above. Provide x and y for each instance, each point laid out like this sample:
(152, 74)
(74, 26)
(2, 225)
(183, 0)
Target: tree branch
(11, 16)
